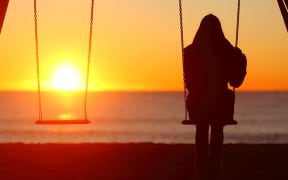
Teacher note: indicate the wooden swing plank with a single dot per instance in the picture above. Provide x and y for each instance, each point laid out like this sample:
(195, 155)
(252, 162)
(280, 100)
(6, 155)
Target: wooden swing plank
(62, 122)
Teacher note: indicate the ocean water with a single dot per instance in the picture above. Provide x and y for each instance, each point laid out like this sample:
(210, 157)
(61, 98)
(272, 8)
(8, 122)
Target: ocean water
(135, 117)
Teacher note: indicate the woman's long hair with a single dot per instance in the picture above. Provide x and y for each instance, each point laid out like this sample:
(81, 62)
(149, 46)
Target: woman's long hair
(210, 35)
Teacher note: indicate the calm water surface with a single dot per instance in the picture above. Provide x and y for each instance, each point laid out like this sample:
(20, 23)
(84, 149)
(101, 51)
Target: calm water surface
(135, 117)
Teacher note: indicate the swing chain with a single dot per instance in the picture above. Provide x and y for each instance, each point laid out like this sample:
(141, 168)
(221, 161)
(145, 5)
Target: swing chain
(38, 63)
(89, 58)
(37, 60)
(182, 54)
(237, 28)
(237, 23)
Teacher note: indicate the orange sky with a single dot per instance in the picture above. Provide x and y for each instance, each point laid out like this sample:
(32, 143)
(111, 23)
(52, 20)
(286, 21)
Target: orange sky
(136, 43)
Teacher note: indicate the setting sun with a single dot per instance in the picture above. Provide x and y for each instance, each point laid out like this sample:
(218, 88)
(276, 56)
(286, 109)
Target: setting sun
(66, 77)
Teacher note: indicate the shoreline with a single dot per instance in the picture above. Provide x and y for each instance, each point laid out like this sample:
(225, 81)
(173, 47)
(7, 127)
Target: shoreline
(141, 161)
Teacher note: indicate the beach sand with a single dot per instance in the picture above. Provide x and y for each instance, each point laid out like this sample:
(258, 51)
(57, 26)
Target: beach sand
(140, 161)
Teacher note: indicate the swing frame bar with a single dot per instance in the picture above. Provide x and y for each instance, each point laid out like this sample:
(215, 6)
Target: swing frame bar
(3, 9)
(283, 6)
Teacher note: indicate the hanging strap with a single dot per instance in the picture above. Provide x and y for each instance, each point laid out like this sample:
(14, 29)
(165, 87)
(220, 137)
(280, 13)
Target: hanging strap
(182, 55)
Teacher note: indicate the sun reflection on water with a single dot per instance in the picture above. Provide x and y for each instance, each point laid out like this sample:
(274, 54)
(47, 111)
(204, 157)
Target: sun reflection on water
(66, 116)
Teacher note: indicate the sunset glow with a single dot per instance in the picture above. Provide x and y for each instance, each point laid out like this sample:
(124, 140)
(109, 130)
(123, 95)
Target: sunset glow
(135, 45)
(66, 78)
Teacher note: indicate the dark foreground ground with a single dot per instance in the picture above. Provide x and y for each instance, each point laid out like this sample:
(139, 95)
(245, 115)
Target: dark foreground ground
(143, 161)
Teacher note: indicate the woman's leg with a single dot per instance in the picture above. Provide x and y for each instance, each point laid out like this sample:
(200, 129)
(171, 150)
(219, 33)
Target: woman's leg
(201, 163)
(216, 147)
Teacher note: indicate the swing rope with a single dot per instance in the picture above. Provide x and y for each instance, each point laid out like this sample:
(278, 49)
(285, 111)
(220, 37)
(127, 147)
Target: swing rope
(40, 116)
(182, 56)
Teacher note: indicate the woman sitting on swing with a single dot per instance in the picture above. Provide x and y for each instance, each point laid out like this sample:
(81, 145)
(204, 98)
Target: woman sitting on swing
(207, 66)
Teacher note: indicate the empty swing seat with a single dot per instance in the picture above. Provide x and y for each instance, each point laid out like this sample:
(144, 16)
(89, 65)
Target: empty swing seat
(62, 122)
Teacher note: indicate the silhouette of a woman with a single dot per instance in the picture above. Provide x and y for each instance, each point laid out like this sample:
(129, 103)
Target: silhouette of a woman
(205, 71)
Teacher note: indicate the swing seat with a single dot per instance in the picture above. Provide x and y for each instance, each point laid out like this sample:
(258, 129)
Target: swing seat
(62, 122)
(193, 122)
(188, 122)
